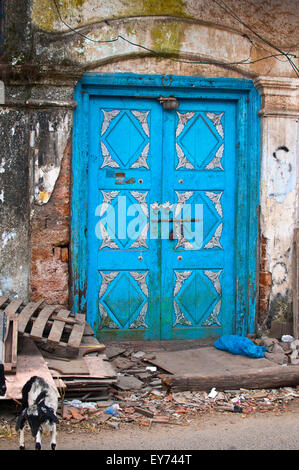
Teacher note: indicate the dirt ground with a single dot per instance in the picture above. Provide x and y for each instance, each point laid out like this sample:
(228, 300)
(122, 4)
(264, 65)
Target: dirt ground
(272, 430)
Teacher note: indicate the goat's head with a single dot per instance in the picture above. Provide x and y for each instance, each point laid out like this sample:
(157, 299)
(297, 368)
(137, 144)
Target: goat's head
(36, 415)
(2, 381)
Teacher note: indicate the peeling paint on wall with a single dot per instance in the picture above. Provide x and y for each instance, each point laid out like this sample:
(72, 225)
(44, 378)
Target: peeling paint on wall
(48, 140)
(6, 237)
(282, 178)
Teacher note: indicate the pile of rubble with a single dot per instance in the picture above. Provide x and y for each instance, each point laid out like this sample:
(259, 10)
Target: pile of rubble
(282, 352)
(134, 370)
(146, 408)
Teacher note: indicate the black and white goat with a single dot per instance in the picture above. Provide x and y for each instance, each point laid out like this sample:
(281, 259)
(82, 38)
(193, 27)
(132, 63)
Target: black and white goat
(39, 406)
(2, 381)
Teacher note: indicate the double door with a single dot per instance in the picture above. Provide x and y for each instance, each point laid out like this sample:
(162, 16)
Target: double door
(161, 218)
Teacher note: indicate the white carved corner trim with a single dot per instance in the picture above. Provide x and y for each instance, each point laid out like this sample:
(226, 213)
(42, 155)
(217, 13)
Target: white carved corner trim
(108, 117)
(181, 277)
(216, 200)
(215, 240)
(142, 118)
(216, 162)
(214, 278)
(141, 198)
(183, 119)
(141, 279)
(140, 321)
(141, 240)
(142, 160)
(106, 321)
(106, 239)
(216, 120)
(213, 319)
(183, 162)
(107, 278)
(107, 159)
(180, 318)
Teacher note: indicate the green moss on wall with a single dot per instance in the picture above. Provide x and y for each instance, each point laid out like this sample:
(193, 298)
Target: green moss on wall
(156, 7)
(167, 37)
(44, 13)
(45, 16)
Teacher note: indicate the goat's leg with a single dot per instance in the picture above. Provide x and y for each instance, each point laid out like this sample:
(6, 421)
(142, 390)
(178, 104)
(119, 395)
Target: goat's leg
(53, 437)
(38, 440)
(22, 439)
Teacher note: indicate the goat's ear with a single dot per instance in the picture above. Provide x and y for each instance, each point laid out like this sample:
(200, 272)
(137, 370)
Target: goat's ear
(21, 420)
(50, 414)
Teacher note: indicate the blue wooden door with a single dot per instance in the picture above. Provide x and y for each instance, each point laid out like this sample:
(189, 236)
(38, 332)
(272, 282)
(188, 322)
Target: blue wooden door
(161, 218)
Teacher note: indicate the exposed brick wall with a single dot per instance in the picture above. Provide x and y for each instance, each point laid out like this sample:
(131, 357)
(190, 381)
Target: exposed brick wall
(265, 282)
(50, 237)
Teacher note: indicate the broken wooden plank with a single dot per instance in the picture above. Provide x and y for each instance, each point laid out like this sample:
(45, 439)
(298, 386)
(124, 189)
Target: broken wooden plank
(57, 327)
(77, 332)
(99, 366)
(10, 334)
(29, 362)
(13, 306)
(74, 367)
(269, 377)
(41, 321)
(26, 314)
(11, 343)
(66, 321)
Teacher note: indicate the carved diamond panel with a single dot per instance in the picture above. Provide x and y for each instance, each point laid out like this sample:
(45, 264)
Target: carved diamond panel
(210, 223)
(114, 233)
(197, 298)
(123, 299)
(199, 139)
(125, 138)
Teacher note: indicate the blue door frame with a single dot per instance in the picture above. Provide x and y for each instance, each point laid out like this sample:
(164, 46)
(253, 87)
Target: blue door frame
(243, 95)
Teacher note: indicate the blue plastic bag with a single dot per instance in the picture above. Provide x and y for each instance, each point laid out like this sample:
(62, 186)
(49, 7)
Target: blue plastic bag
(236, 344)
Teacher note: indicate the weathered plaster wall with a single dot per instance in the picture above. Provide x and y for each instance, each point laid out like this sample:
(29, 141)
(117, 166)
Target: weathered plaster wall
(279, 192)
(14, 203)
(44, 60)
(193, 30)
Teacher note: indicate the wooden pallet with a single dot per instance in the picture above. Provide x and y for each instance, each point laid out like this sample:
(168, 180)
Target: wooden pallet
(50, 324)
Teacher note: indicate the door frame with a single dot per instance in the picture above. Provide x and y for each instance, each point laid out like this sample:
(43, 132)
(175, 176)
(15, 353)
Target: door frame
(247, 100)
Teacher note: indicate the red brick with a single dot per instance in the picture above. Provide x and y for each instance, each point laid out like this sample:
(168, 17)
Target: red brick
(57, 252)
(64, 255)
(265, 279)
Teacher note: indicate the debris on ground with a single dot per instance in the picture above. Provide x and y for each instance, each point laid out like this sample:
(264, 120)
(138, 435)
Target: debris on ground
(158, 407)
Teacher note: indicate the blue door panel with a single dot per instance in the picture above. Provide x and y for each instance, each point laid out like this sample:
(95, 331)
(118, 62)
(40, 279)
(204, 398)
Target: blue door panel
(123, 270)
(200, 172)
